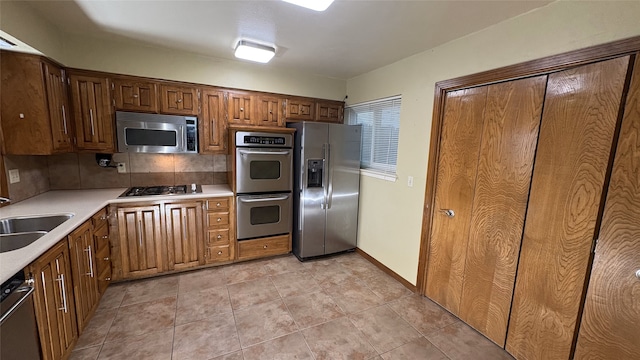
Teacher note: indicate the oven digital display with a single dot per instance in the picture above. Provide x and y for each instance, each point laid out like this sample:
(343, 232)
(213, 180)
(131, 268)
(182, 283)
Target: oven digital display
(264, 140)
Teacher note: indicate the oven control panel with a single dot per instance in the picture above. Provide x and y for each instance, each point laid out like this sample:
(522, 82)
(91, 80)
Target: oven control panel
(259, 139)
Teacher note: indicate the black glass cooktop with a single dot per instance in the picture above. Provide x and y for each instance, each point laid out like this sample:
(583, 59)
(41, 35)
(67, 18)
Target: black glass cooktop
(162, 190)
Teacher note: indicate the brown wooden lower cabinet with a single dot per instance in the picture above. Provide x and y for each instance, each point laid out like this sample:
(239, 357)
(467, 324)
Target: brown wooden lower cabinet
(54, 302)
(184, 226)
(140, 241)
(253, 249)
(219, 237)
(85, 280)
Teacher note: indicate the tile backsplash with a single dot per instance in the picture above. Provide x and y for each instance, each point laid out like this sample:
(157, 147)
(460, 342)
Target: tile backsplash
(39, 174)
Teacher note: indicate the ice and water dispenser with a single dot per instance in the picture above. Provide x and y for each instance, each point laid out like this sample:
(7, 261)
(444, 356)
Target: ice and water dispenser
(314, 173)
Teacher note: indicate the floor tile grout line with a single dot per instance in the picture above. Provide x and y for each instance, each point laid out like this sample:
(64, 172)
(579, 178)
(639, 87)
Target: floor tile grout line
(235, 321)
(175, 317)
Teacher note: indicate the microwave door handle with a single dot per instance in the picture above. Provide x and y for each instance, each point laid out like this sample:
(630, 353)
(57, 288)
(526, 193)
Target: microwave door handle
(254, 200)
(257, 152)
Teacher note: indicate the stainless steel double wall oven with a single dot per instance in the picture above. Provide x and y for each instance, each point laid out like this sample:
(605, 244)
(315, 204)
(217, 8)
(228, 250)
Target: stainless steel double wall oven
(264, 164)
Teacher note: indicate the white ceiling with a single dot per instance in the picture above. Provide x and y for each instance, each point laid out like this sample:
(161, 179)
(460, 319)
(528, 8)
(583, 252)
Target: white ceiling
(350, 38)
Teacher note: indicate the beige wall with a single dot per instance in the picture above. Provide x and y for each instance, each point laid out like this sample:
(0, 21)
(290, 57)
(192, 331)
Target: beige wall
(391, 213)
(132, 58)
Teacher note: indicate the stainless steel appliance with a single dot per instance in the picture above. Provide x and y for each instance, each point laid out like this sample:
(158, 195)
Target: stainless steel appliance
(18, 331)
(154, 133)
(263, 184)
(263, 162)
(162, 190)
(263, 215)
(327, 177)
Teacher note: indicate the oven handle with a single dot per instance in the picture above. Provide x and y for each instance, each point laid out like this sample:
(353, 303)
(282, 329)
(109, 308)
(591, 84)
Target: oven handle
(258, 152)
(253, 200)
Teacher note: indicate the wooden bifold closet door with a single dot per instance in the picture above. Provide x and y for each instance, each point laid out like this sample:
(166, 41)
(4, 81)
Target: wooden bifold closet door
(579, 121)
(611, 319)
(487, 147)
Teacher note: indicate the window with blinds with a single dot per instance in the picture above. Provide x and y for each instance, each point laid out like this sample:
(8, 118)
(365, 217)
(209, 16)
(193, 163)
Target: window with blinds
(380, 120)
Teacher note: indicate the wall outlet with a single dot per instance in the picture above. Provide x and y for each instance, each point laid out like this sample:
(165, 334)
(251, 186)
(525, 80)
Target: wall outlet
(410, 181)
(14, 176)
(122, 168)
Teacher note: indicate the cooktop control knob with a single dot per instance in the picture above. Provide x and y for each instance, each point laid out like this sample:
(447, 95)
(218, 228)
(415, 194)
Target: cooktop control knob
(193, 188)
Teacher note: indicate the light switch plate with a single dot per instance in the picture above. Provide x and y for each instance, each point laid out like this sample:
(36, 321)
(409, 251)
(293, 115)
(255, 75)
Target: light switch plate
(14, 176)
(122, 168)
(410, 181)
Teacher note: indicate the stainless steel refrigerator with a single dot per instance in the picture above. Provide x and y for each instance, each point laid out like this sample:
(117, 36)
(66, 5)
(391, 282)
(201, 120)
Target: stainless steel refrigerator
(326, 188)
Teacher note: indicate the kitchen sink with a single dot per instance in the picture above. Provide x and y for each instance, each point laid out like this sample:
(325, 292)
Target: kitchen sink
(25, 224)
(9, 242)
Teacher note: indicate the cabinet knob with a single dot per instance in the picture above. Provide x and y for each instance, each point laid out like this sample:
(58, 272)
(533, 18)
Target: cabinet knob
(179, 100)
(219, 219)
(218, 204)
(220, 237)
(103, 217)
(638, 273)
(107, 279)
(241, 109)
(219, 252)
(135, 95)
(264, 247)
(106, 259)
(105, 236)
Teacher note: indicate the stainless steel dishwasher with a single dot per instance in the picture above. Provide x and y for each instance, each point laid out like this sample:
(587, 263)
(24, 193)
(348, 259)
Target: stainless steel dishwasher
(18, 331)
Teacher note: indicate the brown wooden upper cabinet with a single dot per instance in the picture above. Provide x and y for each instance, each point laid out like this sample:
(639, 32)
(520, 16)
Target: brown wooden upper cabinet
(34, 108)
(240, 107)
(92, 111)
(135, 95)
(179, 100)
(299, 109)
(268, 111)
(212, 123)
(329, 111)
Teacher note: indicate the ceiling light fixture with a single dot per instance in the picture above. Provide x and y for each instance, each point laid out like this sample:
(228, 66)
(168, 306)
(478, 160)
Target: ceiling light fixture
(317, 5)
(251, 51)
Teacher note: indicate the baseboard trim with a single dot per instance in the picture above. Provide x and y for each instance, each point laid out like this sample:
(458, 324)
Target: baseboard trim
(388, 271)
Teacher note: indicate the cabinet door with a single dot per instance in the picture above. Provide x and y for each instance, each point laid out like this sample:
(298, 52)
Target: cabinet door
(85, 284)
(329, 112)
(92, 112)
(53, 300)
(511, 123)
(58, 108)
(185, 234)
(213, 124)
(140, 241)
(457, 166)
(240, 107)
(576, 135)
(132, 95)
(611, 317)
(300, 109)
(179, 100)
(102, 257)
(269, 111)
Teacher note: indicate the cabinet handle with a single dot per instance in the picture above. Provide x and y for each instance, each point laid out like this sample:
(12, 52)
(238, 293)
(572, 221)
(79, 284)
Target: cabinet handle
(103, 217)
(107, 279)
(105, 236)
(88, 250)
(220, 237)
(450, 213)
(93, 132)
(63, 293)
(106, 259)
(64, 120)
(140, 233)
(219, 252)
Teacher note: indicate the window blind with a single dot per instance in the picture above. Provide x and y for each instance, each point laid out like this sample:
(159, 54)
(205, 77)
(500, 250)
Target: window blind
(380, 120)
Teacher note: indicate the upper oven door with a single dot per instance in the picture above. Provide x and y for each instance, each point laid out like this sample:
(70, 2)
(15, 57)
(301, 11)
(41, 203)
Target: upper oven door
(152, 137)
(260, 170)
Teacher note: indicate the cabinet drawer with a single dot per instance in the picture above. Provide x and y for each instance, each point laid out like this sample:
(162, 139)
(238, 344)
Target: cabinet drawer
(102, 238)
(217, 254)
(104, 278)
(249, 249)
(218, 237)
(217, 219)
(99, 219)
(215, 204)
(103, 259)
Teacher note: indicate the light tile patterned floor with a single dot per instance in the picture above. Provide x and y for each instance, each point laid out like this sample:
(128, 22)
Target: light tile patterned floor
(337, 308)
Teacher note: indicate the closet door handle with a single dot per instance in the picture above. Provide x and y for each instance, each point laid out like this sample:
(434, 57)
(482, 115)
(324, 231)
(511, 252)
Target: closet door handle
(449, 212)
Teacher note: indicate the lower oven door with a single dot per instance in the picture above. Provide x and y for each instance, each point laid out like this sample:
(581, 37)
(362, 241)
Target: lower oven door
(263, 215)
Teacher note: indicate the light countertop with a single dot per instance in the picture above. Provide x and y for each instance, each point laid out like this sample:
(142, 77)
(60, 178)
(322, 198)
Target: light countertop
(83, 204)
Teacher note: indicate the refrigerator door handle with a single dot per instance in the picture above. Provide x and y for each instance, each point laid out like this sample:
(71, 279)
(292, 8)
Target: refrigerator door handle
(325, 175)
(329, 184)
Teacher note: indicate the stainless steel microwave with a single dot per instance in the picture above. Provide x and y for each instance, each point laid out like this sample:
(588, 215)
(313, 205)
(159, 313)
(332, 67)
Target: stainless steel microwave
(154, 133)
